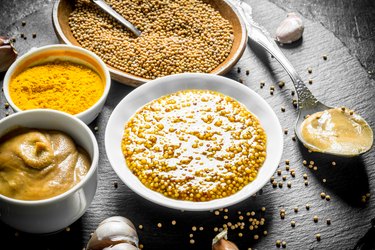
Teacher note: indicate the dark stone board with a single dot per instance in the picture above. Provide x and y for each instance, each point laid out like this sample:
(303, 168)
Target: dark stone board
(339, 80)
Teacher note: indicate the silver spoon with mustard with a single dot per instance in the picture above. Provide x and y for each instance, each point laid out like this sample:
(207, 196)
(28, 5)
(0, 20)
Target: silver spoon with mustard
(104, 6)
(336, 131)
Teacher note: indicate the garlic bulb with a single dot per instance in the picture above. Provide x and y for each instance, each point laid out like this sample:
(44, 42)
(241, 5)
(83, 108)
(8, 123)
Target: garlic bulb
(114, 233)
(221, 242)
(290, 29)
(8, 53)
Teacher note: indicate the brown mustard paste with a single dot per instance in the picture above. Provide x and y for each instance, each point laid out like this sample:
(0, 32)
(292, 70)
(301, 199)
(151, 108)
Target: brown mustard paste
(39, 164)
(338, 131)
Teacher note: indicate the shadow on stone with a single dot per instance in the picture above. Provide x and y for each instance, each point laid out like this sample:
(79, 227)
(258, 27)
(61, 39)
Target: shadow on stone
(346, 177)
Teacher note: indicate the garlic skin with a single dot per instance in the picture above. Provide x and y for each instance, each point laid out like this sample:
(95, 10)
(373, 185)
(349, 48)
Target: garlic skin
(8, 53)
(290, 29)
(114, 233)
(121, 246)
(221, 242)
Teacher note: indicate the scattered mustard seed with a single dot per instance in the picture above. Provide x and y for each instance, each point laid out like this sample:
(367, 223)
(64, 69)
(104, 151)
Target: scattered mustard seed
(23, 23)
(192, 241)
(328, 198)
(256, 236)
(67, 229)
(333, 163)
(140, 227)
(194, 228)
(34, 35)
(282, 109)
(286, 131)
(247, 72)
(265, 232)
(305, 176)
(6, 105)
(315, 218)
(328, 221)
(296, 209)
(159, 225)
(174, 222)
(304, 162)
(217, 212)
(240, 234)
(310, 81)
(307, 206)
(281, 84)
(280, 184)
(284, 177)
(317, 237)
(325, 57)
(293, 223)
(306, 183)
(309, 70)
(289, 184)
(263, 209)
(279, 172)
(283, 244)
(322, 195)
(278, 243)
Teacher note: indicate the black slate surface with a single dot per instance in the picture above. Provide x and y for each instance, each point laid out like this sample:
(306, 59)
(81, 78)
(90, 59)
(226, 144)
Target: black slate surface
(340, 80)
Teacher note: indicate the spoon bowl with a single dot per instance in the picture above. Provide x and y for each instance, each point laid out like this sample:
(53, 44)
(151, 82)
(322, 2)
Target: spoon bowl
(307, 103)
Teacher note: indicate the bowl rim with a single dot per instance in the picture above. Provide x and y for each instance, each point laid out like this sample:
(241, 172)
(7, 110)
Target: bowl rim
(89, 174)
(135, 81)
(158, 198)
(34, 51)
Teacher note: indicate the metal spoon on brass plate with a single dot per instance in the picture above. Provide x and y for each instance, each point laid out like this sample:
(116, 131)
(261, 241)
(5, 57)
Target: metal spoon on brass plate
(336, 131)
(104, 6)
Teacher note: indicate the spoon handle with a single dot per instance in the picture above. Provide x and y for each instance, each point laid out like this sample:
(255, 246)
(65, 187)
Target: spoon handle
(257, 34)
(104, 6)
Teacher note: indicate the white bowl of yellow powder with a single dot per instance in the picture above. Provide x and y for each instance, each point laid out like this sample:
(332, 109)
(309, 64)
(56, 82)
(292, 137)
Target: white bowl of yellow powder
(165, 147)
(60, 77)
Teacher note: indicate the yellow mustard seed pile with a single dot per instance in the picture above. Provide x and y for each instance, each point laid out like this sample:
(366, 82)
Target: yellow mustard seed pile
(195, 145)
(177, 36)
(59, 85)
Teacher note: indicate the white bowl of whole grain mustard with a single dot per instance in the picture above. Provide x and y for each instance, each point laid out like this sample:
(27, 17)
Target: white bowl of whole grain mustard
(194, 141)
(48, 174)
(60, 77)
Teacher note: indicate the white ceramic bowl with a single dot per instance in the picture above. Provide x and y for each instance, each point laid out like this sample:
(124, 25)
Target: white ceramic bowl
(169, 84)
(56, 213)
(63, 52)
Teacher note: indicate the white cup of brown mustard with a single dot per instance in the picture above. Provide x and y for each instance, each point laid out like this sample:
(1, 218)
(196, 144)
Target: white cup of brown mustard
(58, 212)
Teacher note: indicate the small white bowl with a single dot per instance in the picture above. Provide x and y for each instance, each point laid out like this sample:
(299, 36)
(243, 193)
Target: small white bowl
(62, 52)
(56, 213)
(169, 84)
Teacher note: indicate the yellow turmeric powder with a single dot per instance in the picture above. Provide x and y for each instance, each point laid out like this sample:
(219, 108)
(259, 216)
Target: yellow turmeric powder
(59, 85)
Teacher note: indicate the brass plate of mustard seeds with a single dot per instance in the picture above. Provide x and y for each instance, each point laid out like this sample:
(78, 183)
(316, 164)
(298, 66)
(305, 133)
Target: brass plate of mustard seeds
(155, 89)
(63, 8)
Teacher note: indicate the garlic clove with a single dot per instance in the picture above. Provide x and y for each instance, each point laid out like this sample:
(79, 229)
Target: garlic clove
(8, 53)
(290, 29)
(221, 242)
(113, 231)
